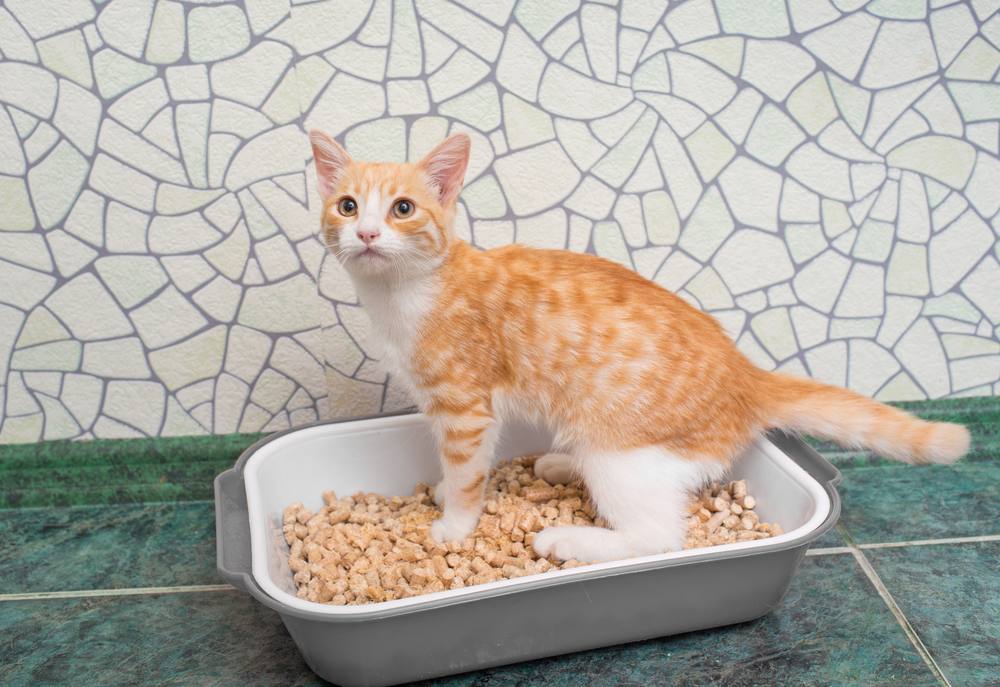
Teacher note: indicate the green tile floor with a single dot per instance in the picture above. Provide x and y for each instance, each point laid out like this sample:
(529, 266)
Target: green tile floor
(107, 577)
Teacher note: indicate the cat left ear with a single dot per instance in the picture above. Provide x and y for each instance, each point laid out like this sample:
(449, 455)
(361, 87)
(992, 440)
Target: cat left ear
(445, 167)
(330, 158)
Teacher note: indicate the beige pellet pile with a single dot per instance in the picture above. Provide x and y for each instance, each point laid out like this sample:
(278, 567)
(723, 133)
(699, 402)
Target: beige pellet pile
(367, 548)
(723, 514)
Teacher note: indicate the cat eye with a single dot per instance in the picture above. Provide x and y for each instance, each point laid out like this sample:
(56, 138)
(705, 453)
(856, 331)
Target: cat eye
(347, 207)
(403, 208)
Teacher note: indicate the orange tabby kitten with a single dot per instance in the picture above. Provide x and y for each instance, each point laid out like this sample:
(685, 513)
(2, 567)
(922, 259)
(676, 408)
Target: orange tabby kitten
(647, 395)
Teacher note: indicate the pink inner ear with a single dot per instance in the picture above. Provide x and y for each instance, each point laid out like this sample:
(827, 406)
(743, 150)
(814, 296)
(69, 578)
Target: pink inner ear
(445, 165)
(330, 159)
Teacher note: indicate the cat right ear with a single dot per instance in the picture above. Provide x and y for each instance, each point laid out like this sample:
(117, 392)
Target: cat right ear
(331, 159)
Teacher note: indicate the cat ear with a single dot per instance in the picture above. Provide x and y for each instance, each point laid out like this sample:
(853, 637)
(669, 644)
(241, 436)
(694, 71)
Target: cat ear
(330, 158)
(445, 167)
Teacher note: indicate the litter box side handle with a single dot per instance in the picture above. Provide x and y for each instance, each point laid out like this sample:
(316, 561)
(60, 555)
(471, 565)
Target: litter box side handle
(233, 558)
(232, 530)
(806, 457)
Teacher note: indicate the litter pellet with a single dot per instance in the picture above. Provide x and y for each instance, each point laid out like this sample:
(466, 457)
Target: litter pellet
(367, 548)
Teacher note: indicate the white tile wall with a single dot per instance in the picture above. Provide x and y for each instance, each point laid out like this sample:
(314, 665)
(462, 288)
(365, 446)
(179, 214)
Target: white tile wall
(822, 176)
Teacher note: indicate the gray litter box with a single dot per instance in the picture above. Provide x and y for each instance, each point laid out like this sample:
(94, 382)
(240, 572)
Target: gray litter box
(513, 620)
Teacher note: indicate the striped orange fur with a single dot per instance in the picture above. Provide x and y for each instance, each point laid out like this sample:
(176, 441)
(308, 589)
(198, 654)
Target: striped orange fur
(647, 395)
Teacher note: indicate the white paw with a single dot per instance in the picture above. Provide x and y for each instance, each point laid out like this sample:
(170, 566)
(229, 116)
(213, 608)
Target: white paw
(450, 527)
(555, 468)
(562, 543)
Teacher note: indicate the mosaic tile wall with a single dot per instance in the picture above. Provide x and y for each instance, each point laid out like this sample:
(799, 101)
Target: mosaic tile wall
(821, 175)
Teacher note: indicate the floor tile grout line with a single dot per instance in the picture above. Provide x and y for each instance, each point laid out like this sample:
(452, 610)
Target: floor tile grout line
(829, 551)
(931, 542)
(186, 589)
(125, 591)
(833, 550)
(901, 618)
(166, 502)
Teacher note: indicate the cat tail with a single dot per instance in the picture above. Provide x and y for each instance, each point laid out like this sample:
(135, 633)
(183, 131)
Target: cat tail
(853, 420)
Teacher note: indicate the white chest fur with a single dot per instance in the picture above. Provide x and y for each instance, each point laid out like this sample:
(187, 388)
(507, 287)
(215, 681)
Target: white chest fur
(397, 310)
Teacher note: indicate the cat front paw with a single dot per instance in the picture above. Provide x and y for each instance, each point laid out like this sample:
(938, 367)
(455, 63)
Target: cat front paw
(449, 527)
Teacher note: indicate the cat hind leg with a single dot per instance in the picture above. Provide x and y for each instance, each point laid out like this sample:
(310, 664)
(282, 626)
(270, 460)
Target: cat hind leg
(555, 468)
(643, 494)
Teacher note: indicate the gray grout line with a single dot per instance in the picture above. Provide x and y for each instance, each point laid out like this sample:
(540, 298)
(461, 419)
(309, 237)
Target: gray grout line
(189, 589)
(930, 542)
(126, 591)
(832, 550)
(903, 621)
(829, 551)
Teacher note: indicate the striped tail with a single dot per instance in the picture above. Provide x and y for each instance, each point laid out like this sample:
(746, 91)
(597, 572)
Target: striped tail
(853, 420)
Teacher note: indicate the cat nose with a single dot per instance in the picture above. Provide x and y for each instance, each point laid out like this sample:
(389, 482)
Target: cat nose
(368, 236)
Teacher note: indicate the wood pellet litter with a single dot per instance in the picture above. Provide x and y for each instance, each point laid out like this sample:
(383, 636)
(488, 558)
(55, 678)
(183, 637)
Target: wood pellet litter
(368, 548)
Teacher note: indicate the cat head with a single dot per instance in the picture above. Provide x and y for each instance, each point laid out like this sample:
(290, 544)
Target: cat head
(387, 218)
